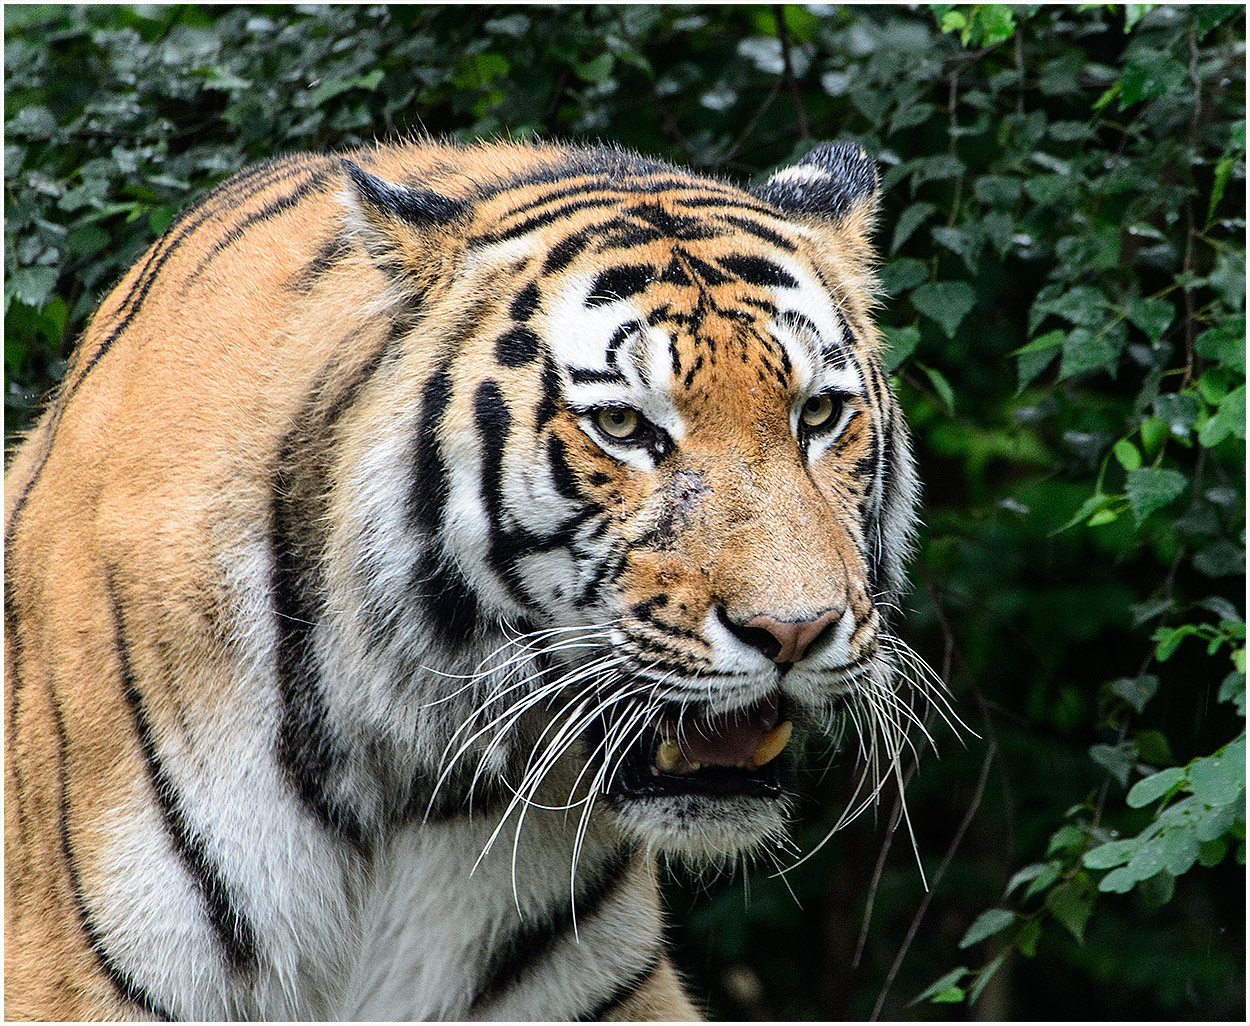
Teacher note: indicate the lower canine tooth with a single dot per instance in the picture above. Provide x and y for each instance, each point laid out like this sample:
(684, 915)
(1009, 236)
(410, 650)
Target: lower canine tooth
(668, 756)
(772, 743)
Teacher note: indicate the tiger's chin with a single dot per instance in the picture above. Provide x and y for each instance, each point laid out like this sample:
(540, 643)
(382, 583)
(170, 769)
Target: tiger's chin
(705, 787)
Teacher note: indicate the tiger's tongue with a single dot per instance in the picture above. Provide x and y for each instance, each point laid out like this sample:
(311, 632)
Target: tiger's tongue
(729, 739)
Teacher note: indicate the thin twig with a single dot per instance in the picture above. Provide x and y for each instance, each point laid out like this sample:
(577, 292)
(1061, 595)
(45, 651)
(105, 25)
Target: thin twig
(896, 813)
(990, 752)
(783, 35)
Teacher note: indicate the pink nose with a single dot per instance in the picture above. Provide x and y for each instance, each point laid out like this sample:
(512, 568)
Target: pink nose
(792, 636)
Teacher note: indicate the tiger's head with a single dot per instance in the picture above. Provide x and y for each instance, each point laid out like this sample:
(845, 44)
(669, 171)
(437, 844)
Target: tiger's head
(660, 479)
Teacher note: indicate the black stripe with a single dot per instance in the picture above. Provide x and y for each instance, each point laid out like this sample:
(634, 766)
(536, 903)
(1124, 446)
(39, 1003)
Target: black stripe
(517, 954)
(562, 475)
(622, 234)
(238, 189)
(675, 274)
(309, 749)
(759, 231)
(234, 932)
(129, 988)
(756, 270)
(564, 252)
(517, 347)
(450, 602)
(619, 283)
(736, 201)
(525, 303)
(615, 192)
(548, 217)
(269, 211)
(623, 991)
(494, 423)
(552, 393)
(587, 375)
(328, 254)
(619, 337)
(675, 226)
(704, 271)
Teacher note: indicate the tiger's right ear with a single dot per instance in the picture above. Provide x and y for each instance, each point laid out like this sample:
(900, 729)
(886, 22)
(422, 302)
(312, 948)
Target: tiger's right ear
(410, 232)
(833, 188)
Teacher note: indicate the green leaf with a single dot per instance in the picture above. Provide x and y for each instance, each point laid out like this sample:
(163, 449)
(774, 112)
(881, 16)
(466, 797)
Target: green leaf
(998, 190)
(1180, 849)
(908, 221)
(1211, 853)
(1158, 889)
(1154, 787)
(1219, 779)
(1127, 454)
(1137, 691)
(1118, 881)
(947, 302)
(1071, 904)
(988, 923)
(900, 344)
(1112, 853)
(985, 975)
(1089, 508)
(940, 385)
(1154, 431)
(1153, 316)
(1229, 419)
(1044, 879)
(1085, 350)
(1066, 836)
(941, 985)
(1156, 75)
(1027, 938)
(1029, 872)
(332, 87)
(1222, 170)
(596, 70)
(31, 285)
(902, 274)
(1152, 488)
(1170, 638)
(1115, 759)
(1147, 860)
(1225, 344)
(1218, 820)
(1036, 356)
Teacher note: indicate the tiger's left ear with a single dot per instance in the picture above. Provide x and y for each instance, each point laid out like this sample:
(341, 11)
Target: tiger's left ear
(413, 234)
(832, 188)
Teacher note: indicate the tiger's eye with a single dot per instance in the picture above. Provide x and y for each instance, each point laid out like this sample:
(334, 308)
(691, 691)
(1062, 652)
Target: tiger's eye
(820, 410)
(618, 421)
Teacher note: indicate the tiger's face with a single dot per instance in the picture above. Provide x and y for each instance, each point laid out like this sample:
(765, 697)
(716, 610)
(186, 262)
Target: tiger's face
(699, 523)
(718, 413)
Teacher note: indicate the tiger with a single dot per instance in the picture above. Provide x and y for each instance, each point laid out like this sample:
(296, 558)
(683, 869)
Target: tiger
(429, 544)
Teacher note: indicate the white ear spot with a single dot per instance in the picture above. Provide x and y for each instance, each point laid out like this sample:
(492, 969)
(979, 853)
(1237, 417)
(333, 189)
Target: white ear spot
(800, 174)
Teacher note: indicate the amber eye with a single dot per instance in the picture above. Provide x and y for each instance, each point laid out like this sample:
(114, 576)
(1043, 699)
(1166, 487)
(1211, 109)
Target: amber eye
(619, 422)
(821, 411)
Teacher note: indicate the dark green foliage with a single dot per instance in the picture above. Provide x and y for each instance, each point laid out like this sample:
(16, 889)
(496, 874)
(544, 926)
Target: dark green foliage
(1063, 227)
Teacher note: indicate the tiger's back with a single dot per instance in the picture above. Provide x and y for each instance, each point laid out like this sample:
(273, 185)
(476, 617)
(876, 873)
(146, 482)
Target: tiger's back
(314, 449)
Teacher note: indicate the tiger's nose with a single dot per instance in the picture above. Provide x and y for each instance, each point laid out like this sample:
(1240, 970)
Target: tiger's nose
(782, 641)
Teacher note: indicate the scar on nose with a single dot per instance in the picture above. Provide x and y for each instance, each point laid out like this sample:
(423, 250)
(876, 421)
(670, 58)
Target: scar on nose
(685, 496)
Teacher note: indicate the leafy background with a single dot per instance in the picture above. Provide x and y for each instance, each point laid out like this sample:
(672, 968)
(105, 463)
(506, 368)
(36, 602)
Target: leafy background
(1063, 243)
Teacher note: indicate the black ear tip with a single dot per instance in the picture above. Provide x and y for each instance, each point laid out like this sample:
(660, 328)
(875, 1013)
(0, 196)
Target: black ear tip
(826, 181)
(845, 160)
(419, 207)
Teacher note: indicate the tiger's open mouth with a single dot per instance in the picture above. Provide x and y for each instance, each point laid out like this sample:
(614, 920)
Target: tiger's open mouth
(684, 750)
